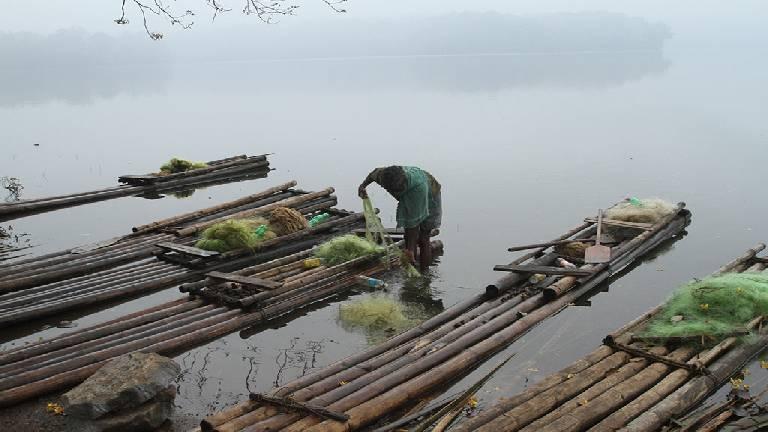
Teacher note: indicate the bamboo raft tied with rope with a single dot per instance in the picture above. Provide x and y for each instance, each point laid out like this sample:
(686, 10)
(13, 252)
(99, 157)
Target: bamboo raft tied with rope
(237, 168)
(419, 362)
(156, 256)
(636, 382)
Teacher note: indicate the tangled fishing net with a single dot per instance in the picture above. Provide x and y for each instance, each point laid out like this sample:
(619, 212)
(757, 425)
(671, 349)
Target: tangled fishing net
(235, 234)
(379, 316)
(177, 165)
(713, 307)
(572, 249)
(647, 210)
(284, 220)
(346, 248)
(376, 233)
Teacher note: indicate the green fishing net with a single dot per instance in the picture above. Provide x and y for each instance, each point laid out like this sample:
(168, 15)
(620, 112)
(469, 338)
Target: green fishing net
(177, 165)
(713, 307)
(234, 234)
(379, 316)
(375, 232)
(346, 248)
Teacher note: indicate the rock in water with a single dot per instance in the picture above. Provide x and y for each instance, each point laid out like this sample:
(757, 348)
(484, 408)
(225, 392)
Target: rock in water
(132, 392)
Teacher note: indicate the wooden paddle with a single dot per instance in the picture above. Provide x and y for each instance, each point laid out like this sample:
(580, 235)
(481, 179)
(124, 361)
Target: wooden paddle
(598, 253)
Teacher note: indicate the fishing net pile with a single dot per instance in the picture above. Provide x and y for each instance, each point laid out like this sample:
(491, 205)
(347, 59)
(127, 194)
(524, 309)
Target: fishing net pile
(235, 234)
(176, 165)
(378, 316)
(712, 308)
(346, 248)
(284, 220)
(647, 210)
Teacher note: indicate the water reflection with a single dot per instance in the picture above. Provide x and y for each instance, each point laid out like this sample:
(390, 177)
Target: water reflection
(78, 85)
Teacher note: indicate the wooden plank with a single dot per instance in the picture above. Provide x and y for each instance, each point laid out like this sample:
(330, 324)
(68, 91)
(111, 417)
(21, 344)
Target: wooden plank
(301, 407)
(244, 280)
(618, 223)
(545, 270)
(187, 250)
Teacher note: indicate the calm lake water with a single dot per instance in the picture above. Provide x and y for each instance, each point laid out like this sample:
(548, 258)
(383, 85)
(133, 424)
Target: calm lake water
(525, 147)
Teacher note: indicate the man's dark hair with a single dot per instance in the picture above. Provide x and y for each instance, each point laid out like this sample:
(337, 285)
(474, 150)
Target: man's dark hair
(393, 179)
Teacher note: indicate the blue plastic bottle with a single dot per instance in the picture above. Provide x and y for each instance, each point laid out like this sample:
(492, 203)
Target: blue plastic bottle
(371, 282)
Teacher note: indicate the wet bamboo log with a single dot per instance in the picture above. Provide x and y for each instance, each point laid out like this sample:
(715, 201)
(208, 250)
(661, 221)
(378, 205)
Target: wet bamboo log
(51, 203)
(506, 404)
(125, 322)
(187, 217)
(699, 387)
(582, 416)
(107, 294)
(125, 336)
(631, 368)
(290, 202)
(211, 167)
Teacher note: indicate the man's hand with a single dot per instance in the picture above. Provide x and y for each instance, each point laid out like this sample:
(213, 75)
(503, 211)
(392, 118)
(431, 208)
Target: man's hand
(361, 192)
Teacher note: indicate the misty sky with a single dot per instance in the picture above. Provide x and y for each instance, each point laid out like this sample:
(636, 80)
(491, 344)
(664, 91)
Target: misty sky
(97, 15)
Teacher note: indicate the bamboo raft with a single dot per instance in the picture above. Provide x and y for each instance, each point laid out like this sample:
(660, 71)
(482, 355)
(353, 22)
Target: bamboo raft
(419, 362)
(218, 171)
(626, 385)
(179, 325)
(155, 256)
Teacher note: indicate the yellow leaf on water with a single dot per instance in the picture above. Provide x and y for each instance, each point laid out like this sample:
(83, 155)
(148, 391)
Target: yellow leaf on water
(569, 376)
(343, 382)
(764, 364)
(583, 402)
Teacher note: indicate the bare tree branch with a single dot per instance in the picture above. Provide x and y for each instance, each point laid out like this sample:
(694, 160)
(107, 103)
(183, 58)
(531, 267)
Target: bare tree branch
(266, 10)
